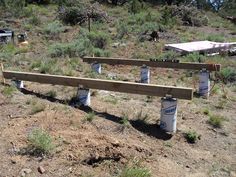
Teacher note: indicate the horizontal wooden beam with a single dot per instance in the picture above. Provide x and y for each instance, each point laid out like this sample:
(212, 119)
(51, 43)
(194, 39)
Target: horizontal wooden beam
(160, 64)
(117, 86)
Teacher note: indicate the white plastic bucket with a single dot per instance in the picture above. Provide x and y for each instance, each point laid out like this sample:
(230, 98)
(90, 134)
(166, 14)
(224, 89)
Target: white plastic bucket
(145, 74)
(204, 83)
(168, 114)
(97, 67)
(19, 84)
(84, 97)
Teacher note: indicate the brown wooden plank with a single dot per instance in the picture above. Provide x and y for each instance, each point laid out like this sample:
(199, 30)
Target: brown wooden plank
(137, 62)
(117, 86)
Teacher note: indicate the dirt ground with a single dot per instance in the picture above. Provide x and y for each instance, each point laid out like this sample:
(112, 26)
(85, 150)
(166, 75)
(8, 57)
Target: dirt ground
(104, 146)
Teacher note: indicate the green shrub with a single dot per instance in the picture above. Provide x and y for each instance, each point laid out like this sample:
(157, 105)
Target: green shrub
(98, 39)
(111, 99)
(40, 142)
(189, 15)
(227, 75)
(73, 15)
(191, 136)
(8, 90)
(85, 44)
(51, 94)
(90, 116)
(122, 30)
(216, 38)
(169, 55)
(216, 121)
(194, 57)
(135, 171)
(46, 66)
(54, 28)
(37, 107)
(206, 111)
(125, 120)
(135, 6)
(34, 20)
(14, 7)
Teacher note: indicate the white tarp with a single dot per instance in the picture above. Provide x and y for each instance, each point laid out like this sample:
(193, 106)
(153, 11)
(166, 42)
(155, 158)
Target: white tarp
(200, 46)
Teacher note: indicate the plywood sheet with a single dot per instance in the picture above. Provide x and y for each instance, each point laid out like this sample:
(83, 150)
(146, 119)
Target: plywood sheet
(200, 46)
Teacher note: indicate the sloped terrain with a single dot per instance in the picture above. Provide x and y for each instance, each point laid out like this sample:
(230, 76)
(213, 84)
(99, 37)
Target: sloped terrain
(118, 130)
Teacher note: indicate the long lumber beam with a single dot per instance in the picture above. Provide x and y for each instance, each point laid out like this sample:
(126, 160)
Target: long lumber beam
(117, 86)
(160, 64)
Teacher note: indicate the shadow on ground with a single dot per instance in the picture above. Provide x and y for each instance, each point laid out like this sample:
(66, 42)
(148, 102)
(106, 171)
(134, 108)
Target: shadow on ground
(153, 130)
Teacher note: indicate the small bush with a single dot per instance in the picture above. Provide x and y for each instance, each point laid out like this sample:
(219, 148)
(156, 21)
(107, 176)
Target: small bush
(189, 15)
(170, 55)
(227, 75)
(8, 90)
(54, 28)
(85, 44)
(206, 111)
(111, 99)
(40, 142)
(34, 20)
(90, 116)
(216, 38)
(98, 39)
(192, 136)
(73, 15)
(51, 94)
(37, 107)
(135, 6)
(194, 57)
(135, 171)
(216, 121)
(125, 120)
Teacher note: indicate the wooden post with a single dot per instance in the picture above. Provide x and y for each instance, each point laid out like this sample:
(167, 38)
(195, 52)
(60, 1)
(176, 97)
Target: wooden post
(3, 79)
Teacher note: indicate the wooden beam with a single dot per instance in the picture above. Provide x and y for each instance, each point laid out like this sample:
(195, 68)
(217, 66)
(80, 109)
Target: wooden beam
(160, 64)
(117, 86)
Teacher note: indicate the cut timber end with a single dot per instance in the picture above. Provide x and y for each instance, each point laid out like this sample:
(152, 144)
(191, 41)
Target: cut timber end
(3, 80)
(137, 62)
(116, 86)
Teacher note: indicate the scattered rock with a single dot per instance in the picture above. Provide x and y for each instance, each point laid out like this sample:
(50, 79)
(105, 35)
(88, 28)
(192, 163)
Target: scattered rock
(41, 170)
(115, 45)
(115, 143)
(13, 161)
(25, 171)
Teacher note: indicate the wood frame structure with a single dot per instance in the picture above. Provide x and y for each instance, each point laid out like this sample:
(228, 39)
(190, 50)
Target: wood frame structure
(117, 86)
(159, 64)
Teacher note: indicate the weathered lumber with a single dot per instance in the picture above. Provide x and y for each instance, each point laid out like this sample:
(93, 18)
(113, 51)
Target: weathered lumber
(117, 86)
(137, 62)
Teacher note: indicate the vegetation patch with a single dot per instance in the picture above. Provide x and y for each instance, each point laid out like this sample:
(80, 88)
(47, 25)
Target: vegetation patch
(227, 75)
(135, 170)
(37, 107)
(191, 136)
(90, 116)
(86, 44)
(216, 120)
(40, 142)
(9, 91)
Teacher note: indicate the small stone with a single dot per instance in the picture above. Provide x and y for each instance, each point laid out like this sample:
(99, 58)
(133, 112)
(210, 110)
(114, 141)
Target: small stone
(25, 171)
(41, 170)
(115, 45)
(115, 143)
(13, 161)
